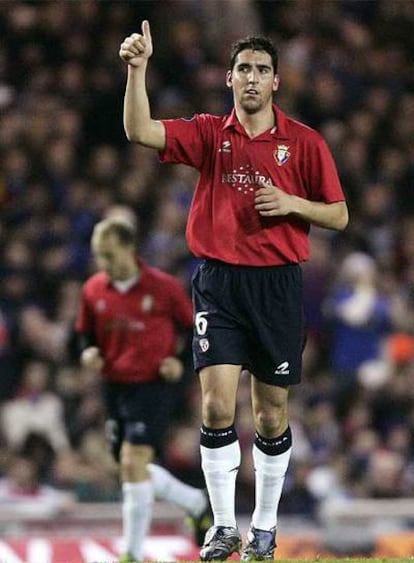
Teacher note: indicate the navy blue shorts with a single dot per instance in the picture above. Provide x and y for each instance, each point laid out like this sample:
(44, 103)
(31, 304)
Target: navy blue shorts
(250, 316)
(137, 413)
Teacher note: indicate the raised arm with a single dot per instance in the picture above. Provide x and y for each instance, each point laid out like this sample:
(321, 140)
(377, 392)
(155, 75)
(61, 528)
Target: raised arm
(138, 124)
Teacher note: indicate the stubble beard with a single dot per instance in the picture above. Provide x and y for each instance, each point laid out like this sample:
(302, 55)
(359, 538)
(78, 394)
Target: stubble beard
(251, 106)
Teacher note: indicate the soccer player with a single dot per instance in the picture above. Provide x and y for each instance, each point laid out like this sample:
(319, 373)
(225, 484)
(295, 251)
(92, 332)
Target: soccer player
(264, 179)
(129, 320)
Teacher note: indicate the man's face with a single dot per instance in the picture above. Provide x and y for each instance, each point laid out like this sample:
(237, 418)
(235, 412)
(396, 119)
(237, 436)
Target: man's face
(114, 258)
(253, 80)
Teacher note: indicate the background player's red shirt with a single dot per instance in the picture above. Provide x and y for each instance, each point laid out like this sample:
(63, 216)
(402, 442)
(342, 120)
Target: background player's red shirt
(135, 330)
(223, 223)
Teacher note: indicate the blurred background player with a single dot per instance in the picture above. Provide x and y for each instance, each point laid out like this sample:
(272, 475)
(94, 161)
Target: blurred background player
(128, 324)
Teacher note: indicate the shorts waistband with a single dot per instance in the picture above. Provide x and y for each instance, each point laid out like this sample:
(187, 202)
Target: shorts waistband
(242, 267)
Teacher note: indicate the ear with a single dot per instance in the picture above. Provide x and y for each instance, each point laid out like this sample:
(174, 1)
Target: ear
(229, 82)
(276, 82)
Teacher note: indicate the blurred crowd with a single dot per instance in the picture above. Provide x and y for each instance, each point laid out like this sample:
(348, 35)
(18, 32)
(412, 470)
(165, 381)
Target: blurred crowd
(346, 69)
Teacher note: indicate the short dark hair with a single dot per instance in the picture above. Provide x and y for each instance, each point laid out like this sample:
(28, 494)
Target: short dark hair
(254, 43)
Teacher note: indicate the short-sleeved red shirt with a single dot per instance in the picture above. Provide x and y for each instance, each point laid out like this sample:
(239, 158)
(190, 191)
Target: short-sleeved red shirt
(137, 329)
(223, 223)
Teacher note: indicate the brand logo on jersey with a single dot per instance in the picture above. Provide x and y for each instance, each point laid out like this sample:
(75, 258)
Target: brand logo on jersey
(147, 303)
(244, 179)
(225, 146)
(282, 369)
(281, 154)
(204, 344)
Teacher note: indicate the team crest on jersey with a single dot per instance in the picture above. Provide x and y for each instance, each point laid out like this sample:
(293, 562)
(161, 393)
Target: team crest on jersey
(281, 154)
(147, 303)
(100, 306)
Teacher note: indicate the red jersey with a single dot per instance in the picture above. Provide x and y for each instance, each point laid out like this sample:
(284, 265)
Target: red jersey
(137, 329)
(223, 223)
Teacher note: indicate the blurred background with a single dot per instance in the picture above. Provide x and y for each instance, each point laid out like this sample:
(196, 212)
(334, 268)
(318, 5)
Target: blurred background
(347, 69)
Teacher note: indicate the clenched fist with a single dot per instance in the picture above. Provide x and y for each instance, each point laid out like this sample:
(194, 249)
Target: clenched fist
(171, 369)
(271, 201)
(137, 48)
(91, 359)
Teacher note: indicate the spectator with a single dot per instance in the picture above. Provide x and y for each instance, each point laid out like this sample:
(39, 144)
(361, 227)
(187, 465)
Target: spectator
(35, 409)
(21, 488)
(360, 317)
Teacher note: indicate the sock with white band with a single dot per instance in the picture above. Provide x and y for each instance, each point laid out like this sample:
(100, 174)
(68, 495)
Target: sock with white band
(136, 514)
(220, 461)
(271, 459)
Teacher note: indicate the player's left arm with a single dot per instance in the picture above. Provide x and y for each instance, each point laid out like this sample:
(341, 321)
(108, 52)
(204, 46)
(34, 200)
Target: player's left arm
(181, 309)
(271, 201)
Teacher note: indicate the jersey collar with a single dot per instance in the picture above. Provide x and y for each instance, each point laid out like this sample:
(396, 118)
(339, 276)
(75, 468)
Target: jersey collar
(280, 131)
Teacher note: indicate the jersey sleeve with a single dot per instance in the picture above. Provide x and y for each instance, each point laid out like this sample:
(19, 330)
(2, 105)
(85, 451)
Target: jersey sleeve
(84, 320)
(186, 140)
(325, 185)
(182, 307)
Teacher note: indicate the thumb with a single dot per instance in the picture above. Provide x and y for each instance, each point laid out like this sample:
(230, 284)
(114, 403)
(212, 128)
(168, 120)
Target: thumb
(146, 32)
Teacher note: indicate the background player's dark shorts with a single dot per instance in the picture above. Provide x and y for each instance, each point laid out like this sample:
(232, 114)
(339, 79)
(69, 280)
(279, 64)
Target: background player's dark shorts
(250, 316)
(137, 413)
